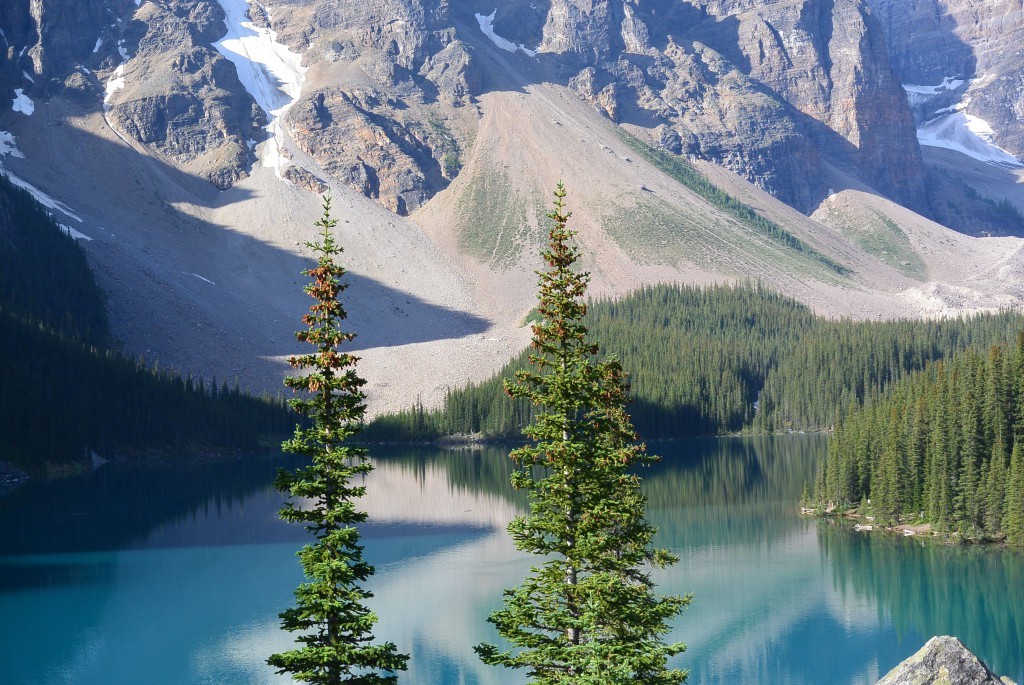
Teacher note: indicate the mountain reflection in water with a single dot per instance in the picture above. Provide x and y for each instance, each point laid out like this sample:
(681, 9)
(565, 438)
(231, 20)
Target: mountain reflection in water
(175, 573)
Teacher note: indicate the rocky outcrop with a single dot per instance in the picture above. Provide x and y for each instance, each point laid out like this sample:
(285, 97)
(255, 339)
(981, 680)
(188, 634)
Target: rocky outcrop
(397, 72)
(776, 90)
(49, 39)
(179, 97)
(713, 111)
(406, 31)
(974, 40)
(582, 31)
(183, 99)
(829, 61)
(943, 661)
(365, 141)
(770, 89)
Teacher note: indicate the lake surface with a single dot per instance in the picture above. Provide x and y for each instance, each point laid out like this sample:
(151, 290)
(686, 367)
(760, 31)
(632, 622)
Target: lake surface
(174, 574)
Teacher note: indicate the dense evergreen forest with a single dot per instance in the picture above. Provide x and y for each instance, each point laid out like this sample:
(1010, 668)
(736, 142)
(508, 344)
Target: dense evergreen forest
(709, 361)
(944, 445)
(65, 391)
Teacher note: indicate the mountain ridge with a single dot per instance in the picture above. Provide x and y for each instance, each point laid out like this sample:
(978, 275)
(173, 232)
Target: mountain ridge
(440, 148)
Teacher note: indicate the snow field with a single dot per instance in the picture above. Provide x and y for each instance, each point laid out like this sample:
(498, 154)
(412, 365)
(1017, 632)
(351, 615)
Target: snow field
(955, 129)
(269, 70)
(72, 233)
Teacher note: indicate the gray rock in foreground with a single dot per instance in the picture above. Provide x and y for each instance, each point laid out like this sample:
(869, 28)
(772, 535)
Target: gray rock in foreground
(943, 661)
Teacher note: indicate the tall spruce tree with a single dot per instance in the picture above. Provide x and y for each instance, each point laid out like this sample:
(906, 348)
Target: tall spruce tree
(588, 613)
(335, 624)
(1013, 516)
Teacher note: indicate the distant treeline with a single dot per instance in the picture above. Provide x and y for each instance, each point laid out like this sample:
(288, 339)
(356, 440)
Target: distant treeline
(944, 445)
(729, 359)
(65, 391)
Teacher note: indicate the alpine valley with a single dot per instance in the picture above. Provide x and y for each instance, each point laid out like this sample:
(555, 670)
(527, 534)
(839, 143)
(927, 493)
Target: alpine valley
(187, 143)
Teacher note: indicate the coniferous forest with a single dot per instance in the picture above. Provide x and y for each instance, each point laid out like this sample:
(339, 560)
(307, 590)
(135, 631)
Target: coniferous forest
(944, 445)
(728, 359)
(66, 391)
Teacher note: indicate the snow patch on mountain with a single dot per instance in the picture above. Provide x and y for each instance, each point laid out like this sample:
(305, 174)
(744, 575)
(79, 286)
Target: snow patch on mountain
(115, 84)
(269, 70)
(8, 146)
(22, 103)
(72, 233)
(199, 277)
(967, 134)
(953, 128)
(487, 26)
(41, 197)
(948, 83)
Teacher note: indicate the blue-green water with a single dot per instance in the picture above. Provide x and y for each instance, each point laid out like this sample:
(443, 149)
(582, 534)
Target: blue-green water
(174, 574)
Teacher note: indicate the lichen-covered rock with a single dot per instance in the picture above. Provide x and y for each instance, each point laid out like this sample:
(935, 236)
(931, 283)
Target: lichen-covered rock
(943, 661)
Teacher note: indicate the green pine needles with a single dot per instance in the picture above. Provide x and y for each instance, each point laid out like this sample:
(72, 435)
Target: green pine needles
(944, 445)
(334, 624)
(588, 614)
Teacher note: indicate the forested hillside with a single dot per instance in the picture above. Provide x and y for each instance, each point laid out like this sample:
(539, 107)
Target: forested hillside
(65, 391)
(944, 445)
(707, 361)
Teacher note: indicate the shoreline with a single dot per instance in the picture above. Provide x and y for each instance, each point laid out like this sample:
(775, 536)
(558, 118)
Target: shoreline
(922, 530)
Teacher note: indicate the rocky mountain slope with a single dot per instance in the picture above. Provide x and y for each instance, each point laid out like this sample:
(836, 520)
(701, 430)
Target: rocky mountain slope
(188, 142)
(961, 64)
(973, 46)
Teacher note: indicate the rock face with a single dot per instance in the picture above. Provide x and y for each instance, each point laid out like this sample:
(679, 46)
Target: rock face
(368, 143)
(183, 99)
(943, 661)
(48, 39)
(770, 89)
(776, 90)
(176, 94)
(395, 74)
(974, 40)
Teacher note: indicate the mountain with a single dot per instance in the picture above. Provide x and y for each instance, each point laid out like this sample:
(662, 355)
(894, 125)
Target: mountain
(963, 70)
(702, 141)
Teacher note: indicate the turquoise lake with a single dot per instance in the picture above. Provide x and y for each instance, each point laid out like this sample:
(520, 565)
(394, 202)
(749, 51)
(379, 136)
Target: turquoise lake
(174, 574)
